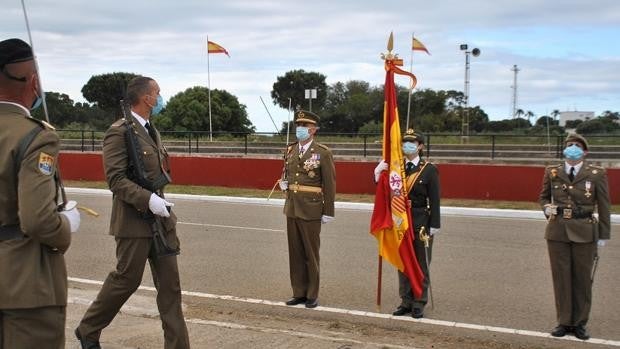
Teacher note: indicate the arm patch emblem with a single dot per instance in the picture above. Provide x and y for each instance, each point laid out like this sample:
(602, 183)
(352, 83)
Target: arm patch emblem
(46, 164)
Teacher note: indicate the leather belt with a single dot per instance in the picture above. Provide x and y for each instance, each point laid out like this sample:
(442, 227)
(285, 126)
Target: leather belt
(11, 232)
(304, 188)
(573, 213)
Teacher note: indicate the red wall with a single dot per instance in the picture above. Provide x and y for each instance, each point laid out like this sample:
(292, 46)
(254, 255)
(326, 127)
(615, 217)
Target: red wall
(493, 182)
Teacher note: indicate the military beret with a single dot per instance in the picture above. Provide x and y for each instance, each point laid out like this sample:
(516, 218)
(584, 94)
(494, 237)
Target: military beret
(306, 116)
(14, 51)
(574, 137)
(412, 136)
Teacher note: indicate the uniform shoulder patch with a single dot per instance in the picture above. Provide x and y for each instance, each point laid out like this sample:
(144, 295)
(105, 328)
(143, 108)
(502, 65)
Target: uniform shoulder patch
(322, 146)
(46, 164)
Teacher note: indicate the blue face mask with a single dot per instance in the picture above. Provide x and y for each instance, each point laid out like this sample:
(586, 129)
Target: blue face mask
(37, 102)
(158, 106)
(302, 133)
(410, 147)
(573, 152)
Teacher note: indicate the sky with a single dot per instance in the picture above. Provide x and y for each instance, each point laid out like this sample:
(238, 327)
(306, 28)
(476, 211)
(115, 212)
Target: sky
(567, 51)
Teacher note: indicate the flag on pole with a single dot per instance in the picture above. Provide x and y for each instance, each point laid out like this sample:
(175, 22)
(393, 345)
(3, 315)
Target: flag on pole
(215, 48)
(391, 221)
(417, 45)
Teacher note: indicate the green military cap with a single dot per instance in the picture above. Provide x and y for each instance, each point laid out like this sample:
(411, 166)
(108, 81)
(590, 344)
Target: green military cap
(14, 51)
(574, 137)
(413, 136)
(306, 116)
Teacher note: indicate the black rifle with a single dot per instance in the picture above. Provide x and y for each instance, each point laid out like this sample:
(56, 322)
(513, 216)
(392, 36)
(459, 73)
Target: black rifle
(137, 174)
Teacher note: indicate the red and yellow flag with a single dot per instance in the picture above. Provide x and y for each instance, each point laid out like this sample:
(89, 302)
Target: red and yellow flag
(391, 221)
(419, 46)
(215, 48)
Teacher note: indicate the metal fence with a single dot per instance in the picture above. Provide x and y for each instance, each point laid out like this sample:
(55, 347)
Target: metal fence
(355, 144)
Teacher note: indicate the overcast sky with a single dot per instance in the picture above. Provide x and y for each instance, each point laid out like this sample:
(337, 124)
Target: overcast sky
(568, 51)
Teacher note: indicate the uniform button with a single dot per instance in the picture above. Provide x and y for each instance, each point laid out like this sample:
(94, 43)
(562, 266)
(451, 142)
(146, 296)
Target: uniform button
(569, 206)
(570, 187)
(296, 174)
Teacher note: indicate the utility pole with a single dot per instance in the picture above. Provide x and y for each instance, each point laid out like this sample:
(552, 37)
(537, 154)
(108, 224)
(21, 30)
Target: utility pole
(514, 91)
(465, 118)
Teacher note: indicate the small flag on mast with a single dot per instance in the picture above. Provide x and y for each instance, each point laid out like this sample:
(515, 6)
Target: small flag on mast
(417, 45)
(215, 48)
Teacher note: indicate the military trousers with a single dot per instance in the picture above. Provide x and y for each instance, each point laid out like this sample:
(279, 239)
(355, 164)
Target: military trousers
(404, 286)
(303, 251)
(121, 283)
(571, 268)
(42, 328)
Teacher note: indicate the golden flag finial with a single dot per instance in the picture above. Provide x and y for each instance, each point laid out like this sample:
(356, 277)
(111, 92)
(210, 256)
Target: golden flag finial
(389, 56)
(390, 44)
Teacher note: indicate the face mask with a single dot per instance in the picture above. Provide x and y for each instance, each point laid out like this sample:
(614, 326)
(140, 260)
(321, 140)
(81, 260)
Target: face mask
(159, 105)
(37, 102)
(302, 133)
(573, 152)
(410, 147)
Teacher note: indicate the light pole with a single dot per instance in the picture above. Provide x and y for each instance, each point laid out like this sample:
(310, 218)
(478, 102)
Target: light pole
(310, 94)
(465, 125)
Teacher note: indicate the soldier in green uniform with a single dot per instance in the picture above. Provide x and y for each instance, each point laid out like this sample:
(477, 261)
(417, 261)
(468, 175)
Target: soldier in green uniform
(423, 187)
(134, 209)
(571, 193)
(310, 185)
(33, 234)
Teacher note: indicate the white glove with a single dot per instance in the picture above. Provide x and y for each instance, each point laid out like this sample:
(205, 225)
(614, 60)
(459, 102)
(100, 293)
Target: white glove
(326, 219)
(159, 206)
(283, 184)
(550, 210)
(434, 231)
(73, 215)
(602, 242)
(382, 166)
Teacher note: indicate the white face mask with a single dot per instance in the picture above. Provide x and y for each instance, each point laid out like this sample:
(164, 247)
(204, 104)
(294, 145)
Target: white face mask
(410, 148)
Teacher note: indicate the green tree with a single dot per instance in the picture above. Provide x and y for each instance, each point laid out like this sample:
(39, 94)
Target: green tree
(293, 85)
(60, 109)
(106, 90)
(189, 111)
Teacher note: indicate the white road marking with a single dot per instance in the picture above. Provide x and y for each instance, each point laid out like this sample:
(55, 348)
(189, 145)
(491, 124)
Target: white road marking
(371, 315)
(230, 227)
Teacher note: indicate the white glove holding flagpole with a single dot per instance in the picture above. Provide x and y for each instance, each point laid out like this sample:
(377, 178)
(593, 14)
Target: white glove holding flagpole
(382, 166)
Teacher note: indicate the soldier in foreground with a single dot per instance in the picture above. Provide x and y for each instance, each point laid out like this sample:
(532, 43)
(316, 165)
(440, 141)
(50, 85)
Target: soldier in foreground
(136, 167)
(310, 185)
(571, 193)
(34, 235)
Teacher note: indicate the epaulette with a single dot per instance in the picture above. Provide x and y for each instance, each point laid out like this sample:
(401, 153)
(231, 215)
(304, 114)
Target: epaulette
(554, 166)
(44, 124)
(119, 122)
(596, 167)
(322, 146)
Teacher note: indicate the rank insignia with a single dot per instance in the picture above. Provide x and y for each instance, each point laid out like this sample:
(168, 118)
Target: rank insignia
(46, 164)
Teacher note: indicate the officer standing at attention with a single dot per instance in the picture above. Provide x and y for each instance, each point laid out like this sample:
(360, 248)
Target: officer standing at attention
(34, 235)
(310, 185)
(570, 194)
(422, 185)
(131, 204)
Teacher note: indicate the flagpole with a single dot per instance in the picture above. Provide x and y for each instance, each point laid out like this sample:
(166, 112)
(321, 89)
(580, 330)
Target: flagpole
(209, 92)
(411, 88)
(379, 277)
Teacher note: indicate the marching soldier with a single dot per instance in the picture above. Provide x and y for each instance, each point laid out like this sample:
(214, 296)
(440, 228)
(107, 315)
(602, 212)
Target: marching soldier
(423, 187)
(310, 185)
(33, 234)
(135, 210)
(571, 193)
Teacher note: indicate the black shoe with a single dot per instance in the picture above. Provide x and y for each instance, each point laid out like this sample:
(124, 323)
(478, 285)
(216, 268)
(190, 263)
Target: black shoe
(560, 331)
(85, 343)
(417, 313)
(401, 310)
(296, 300)
(312, 303)
(581, 333)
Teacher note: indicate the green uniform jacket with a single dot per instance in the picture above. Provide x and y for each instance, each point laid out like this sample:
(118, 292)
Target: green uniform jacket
(129, 199)
(31, 275)
(315, 168)
(588, 192)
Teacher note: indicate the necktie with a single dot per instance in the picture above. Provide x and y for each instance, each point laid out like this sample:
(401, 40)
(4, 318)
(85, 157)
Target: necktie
(409, 168)
(151, 131)
(571, 174)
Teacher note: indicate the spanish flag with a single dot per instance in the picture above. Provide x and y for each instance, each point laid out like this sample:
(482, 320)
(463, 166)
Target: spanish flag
(215, 48)
(391, 222)
(417, 45)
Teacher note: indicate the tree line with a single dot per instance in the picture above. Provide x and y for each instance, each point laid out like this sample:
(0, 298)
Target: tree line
(351, 107)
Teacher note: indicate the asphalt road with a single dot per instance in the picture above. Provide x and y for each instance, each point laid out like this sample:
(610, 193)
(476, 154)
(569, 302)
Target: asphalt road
(486, 271)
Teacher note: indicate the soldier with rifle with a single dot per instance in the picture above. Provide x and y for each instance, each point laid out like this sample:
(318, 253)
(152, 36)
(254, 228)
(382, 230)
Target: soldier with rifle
(136, 168)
